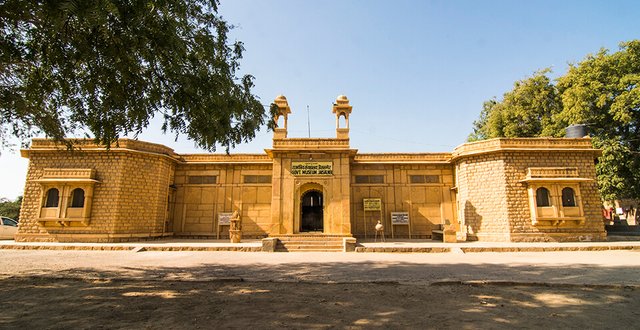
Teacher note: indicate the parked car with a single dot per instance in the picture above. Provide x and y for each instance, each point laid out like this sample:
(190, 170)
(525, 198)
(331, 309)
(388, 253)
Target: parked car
(8, 228)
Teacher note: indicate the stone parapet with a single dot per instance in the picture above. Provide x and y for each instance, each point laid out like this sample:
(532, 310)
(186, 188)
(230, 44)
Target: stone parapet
(225, 159)
(40, 144)
(310, 144)
(411, 158)
(525, 144)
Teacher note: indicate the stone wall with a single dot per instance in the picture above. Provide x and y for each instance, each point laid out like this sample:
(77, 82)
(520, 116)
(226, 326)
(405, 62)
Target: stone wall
(429, 204)
(144, 190)
(129, 199)
(493, 198)
(482, 198)
(197, 205)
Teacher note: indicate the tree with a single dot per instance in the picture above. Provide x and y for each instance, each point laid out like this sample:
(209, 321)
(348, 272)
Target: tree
(106, 67)
(602, 91)
(9, 208)
(481, 128)
(525, 111)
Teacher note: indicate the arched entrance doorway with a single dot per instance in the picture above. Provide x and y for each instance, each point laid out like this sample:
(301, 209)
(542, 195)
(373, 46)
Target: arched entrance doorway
(311, 209)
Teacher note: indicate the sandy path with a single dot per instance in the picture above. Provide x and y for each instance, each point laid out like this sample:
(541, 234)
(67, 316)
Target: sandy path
(188, 290)
(611, 267)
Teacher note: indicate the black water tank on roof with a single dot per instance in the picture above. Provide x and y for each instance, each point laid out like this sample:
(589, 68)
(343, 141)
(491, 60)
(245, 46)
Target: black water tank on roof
(576, 131)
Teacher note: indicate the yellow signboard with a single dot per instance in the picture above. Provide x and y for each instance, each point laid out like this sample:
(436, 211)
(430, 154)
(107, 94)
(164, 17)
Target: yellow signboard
(311, 168)
(372, 204)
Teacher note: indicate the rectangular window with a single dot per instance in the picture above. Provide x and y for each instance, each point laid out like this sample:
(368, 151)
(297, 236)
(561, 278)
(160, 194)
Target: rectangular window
(432, 178)
(257, 179)
(362, 179)
(369, 178)
(418, 179)
(202, 179)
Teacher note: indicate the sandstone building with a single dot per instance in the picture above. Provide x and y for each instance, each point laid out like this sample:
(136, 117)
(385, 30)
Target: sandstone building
(538, 189)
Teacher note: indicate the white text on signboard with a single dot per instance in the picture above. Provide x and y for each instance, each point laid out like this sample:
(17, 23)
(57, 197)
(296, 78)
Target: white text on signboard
(224, 219)
(399, 218)
(311, 168)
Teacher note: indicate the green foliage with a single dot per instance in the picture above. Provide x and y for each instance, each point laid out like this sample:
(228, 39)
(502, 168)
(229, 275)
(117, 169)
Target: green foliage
(9, 208)
(481, 126)
(525, 111)
(602, 91)
(108, 66)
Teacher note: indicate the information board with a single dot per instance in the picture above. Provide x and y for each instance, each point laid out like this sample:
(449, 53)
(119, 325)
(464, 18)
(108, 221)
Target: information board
(311, 168)
(372, 204)
(399, 218)
(224, 219)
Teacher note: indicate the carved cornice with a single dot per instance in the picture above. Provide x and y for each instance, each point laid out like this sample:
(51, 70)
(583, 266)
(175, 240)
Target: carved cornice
(415, 158)
(552, 172)
(525, 144)
(310, 144)
(69, 173)
(122, 144)
(225, 159)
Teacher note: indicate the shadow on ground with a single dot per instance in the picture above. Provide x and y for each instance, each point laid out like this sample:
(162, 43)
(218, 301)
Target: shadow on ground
(301, 296)
(368, 271)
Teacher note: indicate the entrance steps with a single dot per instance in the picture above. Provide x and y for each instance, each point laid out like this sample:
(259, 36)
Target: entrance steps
(309, 243)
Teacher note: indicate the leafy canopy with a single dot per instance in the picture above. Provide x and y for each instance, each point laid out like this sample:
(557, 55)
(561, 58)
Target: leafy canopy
(526, 111)
(602, 91)
(106, 67)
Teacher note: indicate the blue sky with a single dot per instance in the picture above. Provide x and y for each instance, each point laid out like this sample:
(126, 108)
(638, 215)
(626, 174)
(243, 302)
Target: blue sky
(416, 72)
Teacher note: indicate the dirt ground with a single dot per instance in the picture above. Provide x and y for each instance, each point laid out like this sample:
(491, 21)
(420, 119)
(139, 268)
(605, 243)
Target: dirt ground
(81, 290)
(42, 303)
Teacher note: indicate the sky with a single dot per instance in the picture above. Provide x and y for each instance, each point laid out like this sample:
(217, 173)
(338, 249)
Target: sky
(415, 72)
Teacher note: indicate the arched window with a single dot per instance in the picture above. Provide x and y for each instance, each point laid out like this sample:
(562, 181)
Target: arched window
(77, 198)
(542, 197)
(568, 197)
(342, 121)
(52, 198)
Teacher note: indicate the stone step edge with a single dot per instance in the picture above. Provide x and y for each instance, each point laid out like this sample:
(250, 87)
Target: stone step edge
(408, 249)
(309, 243)
(302, 247)
(294, 239)
(311, 250)
(140, 248)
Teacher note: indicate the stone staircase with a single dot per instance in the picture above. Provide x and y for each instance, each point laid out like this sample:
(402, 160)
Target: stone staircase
(309, 243)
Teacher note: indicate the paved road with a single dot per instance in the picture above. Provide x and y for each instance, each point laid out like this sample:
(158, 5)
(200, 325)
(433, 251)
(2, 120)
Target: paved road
(606, 267)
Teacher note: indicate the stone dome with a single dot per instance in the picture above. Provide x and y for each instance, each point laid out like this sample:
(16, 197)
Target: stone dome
(342, 99)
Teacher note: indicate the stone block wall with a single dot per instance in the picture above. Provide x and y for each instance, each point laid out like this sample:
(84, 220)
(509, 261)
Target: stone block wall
(143, 194)
(429, 204)
(482, 198)
(198, 205)
(129, 200)
(493, 200)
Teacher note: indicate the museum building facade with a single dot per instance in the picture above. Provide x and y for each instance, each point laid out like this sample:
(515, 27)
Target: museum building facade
(506, 189)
